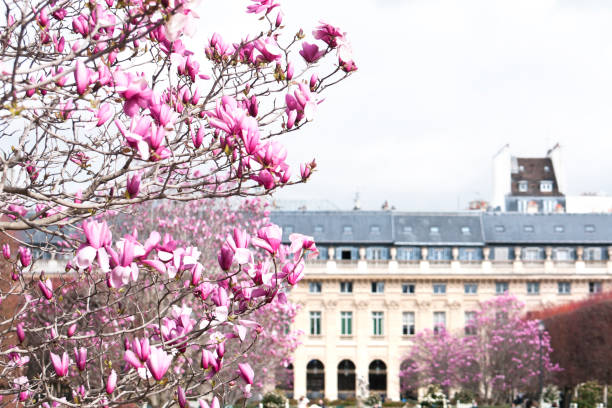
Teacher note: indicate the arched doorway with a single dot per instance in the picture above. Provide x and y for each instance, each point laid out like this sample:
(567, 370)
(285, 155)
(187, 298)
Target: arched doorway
(408, 381)
(284, 379)
(377, 377)
(346, 379)
(315, 379)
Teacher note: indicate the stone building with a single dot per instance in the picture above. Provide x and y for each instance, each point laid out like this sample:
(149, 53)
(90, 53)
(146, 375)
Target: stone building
(383, 276)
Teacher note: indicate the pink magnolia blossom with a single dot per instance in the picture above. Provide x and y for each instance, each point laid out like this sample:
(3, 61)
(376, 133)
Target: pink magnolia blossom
(158, 363)
(269, 238)
(80, 356)
(104, 114)
(133, 185)
(25, 256)
(311, 52)
(328, 34)
(126, 269)
(46, 287)
(111, 382)
(262, 6)
(98, 237)
(60, 364)
(246, 372)
(6, 251)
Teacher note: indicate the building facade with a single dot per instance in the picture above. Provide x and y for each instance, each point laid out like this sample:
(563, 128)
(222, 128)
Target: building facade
(383, 276)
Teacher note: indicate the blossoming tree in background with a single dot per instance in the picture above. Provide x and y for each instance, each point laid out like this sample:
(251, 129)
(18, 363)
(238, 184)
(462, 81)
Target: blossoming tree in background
(103, 106)
(498, 354)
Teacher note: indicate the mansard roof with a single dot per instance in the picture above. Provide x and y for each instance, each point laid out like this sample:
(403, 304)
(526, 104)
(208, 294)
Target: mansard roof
(459, 228)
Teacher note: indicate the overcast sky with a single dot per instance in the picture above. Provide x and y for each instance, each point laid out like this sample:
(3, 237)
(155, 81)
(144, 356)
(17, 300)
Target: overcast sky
(442, 86)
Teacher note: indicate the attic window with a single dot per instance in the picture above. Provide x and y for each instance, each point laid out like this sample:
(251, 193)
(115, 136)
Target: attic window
(528, 228)
(589, 228)
(546, 186)
(500, 228)
(407, 229)
(523, 186)
(434, 230)
(546, 169)
(375, 229)
(521, 168)
(288, 229)
(318, 229)
(347, 229)
(465, 230)
(559, 228)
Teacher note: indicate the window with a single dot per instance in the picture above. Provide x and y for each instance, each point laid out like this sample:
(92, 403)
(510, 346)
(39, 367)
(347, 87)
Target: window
(439, 288)
(501, 287)
(408, 253)
(434, 230)
(546, 186)
(528, 228)
(377, 322)
(439, 321)
(565, 288)
(465, 230)
(522, 205)
(563, 254)
(408, 323)
(375, 229)
(501, 254)
(523, 186)
(533, 254)
(346, 287)
(593, 254)
(589, 228)
(314, 287)
(408, 288)
(347, 229)
(407, 229)
(439, 254)
(533, 288)
(470, 288)
(323, 252)
(288, 229)
(315, 323)
(378, 287)
(318, 229)
(595, 287)
(470, 320)
(346, 323)
(377, 253)
(347, 253)
(559, 228)
(549, 205)
(500, 228)
(470, 254)
(546, 169)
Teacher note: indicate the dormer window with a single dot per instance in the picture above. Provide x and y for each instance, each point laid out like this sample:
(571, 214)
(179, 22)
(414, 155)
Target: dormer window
(375, 229)
(407, 229)
(546, 186)
(318, 229)
(559, 228)
(434, 230)
(546, 169)
(523, 186)
(500, 228)
(288, 229)
(528, 228)
(347, 230)
(465, 230)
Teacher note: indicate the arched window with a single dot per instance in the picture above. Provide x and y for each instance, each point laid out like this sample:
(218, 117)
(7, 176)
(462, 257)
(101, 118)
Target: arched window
(377, 377)
(315, 379)
(346, 379)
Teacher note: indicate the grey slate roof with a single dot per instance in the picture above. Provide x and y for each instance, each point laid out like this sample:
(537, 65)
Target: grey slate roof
(457, 229)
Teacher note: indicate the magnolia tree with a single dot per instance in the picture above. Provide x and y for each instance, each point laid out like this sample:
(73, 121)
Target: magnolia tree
(439, 358)
(499, 353)
(206, 224)
(103, 106)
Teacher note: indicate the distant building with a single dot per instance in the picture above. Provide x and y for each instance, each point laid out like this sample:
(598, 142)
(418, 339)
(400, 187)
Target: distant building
(528, 185)
(383, 276)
